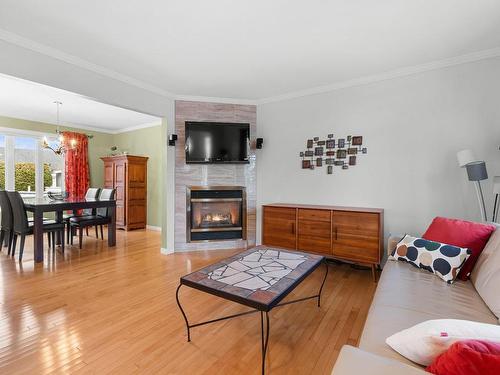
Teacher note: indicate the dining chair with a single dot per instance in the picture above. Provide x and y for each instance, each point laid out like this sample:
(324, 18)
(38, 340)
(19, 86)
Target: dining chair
(22, 227)
(92, 193)
(102, 217)
(6, 228)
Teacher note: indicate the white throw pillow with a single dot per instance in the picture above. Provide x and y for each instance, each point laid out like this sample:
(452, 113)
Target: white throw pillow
(423, 342)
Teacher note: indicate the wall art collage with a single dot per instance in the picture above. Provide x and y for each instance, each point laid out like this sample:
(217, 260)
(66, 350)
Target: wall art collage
(340, 152)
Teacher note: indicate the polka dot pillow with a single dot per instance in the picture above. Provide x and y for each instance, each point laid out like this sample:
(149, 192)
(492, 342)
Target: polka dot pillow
(441, 259)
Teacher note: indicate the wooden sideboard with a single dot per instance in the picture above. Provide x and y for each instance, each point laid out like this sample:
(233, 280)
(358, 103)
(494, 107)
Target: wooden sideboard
(353, 234)
(128, 175)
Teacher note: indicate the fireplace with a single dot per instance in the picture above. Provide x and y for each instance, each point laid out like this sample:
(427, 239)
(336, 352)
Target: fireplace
(215, 213)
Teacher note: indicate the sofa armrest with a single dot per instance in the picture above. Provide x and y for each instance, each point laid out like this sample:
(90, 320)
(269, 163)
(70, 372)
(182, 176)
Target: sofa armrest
(392, 242)
(352, 360)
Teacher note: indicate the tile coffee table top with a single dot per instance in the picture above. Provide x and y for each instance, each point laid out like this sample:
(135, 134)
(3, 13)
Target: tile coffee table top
(259, 277)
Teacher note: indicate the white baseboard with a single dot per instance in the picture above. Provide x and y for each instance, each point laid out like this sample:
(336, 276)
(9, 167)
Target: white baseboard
(152, 227)
(166, 251)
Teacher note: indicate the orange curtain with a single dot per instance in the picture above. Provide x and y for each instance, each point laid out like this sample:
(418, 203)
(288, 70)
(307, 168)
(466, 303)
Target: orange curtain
(77, 165)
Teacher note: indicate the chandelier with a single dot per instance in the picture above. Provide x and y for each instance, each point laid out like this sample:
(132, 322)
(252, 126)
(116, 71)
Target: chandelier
(58, 149)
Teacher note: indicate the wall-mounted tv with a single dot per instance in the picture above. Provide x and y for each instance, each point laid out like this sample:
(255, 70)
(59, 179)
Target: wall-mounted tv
(217, 142)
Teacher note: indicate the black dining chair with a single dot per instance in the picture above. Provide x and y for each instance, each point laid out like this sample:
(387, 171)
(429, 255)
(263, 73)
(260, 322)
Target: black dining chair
(102, 217)
(22, 227)
(92, 193)
(6, 228)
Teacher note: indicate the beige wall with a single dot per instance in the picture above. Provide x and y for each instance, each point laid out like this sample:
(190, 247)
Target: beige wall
(143, 142)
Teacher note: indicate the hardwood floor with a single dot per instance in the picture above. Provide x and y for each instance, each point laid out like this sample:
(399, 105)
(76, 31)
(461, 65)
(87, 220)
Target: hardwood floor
(100, 311)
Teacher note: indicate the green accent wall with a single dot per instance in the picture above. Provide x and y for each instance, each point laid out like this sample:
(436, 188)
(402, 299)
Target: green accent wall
(147, 142)
(142, 142)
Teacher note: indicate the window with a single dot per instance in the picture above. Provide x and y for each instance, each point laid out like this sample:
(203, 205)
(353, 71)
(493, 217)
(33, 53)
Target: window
(2, 162)
(53, 169)
(26, 166)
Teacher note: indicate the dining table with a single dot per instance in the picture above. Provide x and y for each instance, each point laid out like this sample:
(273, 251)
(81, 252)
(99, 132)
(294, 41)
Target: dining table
(39, 206)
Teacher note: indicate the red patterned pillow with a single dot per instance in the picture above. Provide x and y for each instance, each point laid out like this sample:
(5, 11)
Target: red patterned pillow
(469, 357)
(461, 233)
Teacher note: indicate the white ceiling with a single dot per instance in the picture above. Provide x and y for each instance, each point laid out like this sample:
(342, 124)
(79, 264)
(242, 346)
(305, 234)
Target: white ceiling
(255, 49)
(32, 101)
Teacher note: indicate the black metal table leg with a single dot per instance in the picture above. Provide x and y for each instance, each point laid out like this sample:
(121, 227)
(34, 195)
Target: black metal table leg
(183, 313)
(265, 338)
(322, 284)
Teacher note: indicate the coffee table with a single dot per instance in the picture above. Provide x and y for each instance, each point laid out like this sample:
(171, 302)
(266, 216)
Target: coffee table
(258, 278)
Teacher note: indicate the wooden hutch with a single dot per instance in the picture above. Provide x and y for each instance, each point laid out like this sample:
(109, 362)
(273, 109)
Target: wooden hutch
(128, 175)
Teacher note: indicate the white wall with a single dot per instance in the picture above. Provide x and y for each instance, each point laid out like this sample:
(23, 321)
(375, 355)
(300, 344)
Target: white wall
(413, 127)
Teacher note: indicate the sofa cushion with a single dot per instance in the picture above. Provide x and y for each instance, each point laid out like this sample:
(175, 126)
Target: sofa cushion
(356, 361)
(443, 260)
(461, 233)
(407, 296)
(486, 274)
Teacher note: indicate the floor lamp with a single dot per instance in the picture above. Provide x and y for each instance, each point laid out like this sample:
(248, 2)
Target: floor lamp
(476, 171)
(496, 191)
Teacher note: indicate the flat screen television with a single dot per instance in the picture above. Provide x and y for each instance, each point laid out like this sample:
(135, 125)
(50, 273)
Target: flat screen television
(217, 142)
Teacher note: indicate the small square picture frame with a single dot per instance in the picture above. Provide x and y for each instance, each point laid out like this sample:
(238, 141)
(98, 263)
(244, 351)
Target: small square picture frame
(345, 166)
(341, 154)
(330, 136)
(330, 143)
(316, 139)
(306, 164)
(357, 140)
(318, 151)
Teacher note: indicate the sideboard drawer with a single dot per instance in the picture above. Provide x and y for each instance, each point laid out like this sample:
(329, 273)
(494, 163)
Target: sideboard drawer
(316, 215)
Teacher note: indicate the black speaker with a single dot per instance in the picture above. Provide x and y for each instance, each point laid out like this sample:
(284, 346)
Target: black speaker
(171, 139)
(259, 142)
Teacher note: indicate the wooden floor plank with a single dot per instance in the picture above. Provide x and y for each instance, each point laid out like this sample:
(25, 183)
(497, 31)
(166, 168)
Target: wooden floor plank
(112, 311)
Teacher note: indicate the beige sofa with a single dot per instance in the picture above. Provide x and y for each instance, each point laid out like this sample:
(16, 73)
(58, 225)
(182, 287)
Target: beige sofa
(406, 296)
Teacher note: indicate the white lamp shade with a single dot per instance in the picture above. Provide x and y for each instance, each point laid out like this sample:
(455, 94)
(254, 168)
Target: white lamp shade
(465, 157)
(496, 185)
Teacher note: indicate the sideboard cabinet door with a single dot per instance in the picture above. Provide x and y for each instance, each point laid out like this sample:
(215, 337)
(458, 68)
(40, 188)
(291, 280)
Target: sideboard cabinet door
(356, 236)
(279, 227)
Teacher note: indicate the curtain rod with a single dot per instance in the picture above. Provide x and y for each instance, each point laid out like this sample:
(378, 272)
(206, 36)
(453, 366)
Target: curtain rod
(89, 136)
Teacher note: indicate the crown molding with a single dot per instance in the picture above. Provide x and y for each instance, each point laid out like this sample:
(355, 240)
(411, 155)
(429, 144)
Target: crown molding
(138, 127)
(215, 99)
(403, 72)
(20, 41)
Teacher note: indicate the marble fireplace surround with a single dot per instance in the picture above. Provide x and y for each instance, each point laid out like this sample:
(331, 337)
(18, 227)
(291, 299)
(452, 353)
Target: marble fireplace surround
(213, 174)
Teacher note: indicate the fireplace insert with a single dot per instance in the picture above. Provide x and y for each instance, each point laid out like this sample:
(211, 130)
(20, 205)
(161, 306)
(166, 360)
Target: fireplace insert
(215, 213)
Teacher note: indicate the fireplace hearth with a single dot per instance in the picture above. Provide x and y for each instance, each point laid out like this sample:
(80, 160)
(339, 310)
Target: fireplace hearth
(215, 213)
